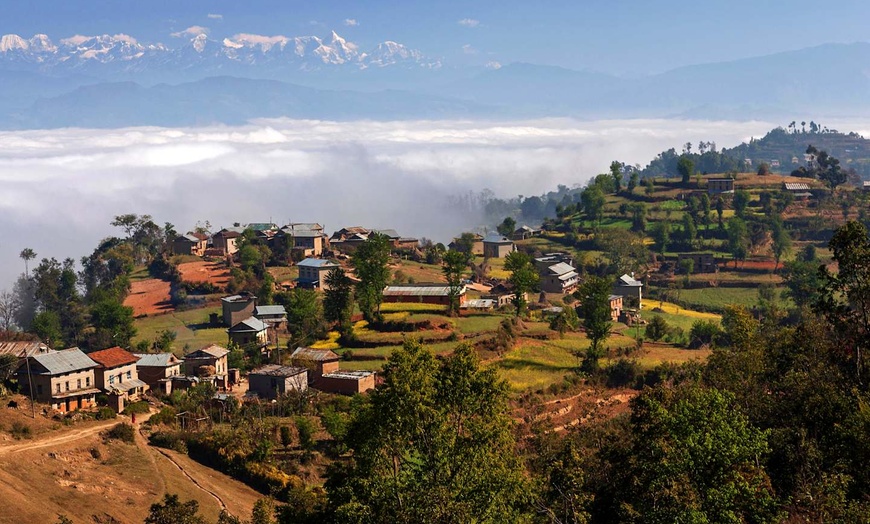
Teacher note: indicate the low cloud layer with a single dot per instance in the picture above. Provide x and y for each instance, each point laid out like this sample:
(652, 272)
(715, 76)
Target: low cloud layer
(61, 188)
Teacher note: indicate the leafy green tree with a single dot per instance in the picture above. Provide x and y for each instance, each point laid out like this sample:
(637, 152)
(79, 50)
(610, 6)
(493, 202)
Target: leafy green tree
(695, 458)
(649, 186)
(638, 217)
(689, 231)
(720, 211)
(661, 235)
(507, 226)
(524, 278)
(173, 511)
(738, 239)
(802, 281)
(46, 325)
(657, 328)
(304, 316)
(633, 181)
(740, 201)
(685, 168)
(781, 242)
(595, 306)
(705, 210)
(370, 264)
(338, 301)
(827, 168)
(593, 200)
(432, 444)
(465, 244)
(616, 172)
(113, 324)
(454, 265)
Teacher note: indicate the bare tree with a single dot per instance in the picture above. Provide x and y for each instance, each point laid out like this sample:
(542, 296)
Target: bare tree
(9, 305)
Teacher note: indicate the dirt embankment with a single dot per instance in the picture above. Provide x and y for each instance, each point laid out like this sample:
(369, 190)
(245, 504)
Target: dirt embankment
(149, 297)
(215, 273)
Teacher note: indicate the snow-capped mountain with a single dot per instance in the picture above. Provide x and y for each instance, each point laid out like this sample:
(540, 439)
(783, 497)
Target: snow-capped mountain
(124, 54)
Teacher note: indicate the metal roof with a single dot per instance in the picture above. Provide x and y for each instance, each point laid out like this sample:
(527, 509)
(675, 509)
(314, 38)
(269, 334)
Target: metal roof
(569, 275)
(249, 324)
(479, 303)
(22, 347)
(561, 268)
(127, 385)
(210, 351)
(349, 375)
(424, 290)
(317, 263)
(242, 297)
(797, 186)
(156, 360)
(270, 310)
(629, 281)
(392, 233)
(275, 370)
(66, 361)
(495, 238)
(320, 355)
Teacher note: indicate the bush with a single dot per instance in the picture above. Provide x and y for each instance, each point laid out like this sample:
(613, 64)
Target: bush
(123, 432)
(20, 430)
(168, 440)
(106, 413)
(657, 328)
(165, 416)
(306, 432)
(704, 333)
(138, 408)
(623, 372)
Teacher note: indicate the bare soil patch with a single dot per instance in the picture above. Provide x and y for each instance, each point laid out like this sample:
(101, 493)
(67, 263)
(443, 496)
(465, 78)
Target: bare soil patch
(149, 297)
(215, 273)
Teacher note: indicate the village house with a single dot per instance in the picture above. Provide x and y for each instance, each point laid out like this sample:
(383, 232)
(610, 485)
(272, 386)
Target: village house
(701, 262)
(476, 245)
(273, 380)
(236, 308)
(313, 271)
(397, 241)
(310, 242)
(627, 286)
(800, 190)
(497, 246)
(347, 382)
(190, 244)
(249, 332)
(347, 239)
(118, 376)
(23, 348)
(210, 361)
(157, 370)
(717, 186)
(615, 307)
(502, 294)
(523, 232)
(316, 361)
(274, 316)
(557, 272)
(324, 373)
(63, 379)
(226, 240)
(424, 293)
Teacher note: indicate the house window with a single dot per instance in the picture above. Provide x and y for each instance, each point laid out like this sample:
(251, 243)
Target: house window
(58, 387)
(111, 379)
(67, 385)
(79, 384)
(88, 381)
(129, 374)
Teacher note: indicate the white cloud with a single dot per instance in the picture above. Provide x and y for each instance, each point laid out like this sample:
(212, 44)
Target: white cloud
(468, 22)
(351, 22)
(76, 180)
(468, 49)
(194, 30)
(215, 16)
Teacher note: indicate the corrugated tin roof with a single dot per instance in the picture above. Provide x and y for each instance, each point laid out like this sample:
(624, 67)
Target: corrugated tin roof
(629, 281)
(66, 361)
(797, 186)
(561, 268)
(127, 385)
(275, 370)
(317, 263)
(21, 347)
(495, 238)
(269, 310)
(479, 303)
(242, 297)
(387, 232)
(349, 375)
(433, 290)
(569, 275)
(249, 324)
(320, 355)
(212, 350)
(156, 360)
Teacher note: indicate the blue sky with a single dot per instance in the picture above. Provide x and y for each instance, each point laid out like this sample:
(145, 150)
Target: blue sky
(625, 37)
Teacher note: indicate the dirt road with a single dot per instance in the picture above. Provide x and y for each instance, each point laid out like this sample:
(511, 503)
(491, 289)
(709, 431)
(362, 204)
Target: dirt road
(63, 438)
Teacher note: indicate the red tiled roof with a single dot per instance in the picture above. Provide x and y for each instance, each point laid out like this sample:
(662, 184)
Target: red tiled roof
(113, 357)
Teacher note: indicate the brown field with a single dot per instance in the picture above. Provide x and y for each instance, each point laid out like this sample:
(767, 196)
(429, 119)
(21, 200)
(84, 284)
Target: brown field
(203, 271)
(149, 297)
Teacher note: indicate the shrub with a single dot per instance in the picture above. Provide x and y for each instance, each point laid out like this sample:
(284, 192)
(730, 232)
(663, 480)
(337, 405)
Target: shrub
(657, 328)
(168, 440)
(123, 432)
(138, 408)
(106, 413)
(286, 436)
(165, 416)
(306, 432)
(704, 333)
(623, 372)
(20, 430)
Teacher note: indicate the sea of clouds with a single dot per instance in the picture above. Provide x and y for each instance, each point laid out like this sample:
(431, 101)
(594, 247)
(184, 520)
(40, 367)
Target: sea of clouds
(59, 189)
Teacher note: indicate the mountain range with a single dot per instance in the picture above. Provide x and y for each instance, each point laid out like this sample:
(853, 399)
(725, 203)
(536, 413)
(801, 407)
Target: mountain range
(115, 80)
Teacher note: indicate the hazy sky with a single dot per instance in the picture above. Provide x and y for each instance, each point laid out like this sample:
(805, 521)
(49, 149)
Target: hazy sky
(624, 36)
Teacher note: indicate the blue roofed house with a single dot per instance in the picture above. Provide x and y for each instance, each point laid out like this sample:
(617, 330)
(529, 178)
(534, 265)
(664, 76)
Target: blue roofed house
(63, 379)
(628, 287)
(313, 271)
(251, 332)
(274, 316)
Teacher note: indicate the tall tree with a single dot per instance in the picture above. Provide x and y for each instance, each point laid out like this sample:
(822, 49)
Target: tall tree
(370, 265)
(633, 181)
(507, 226)
(593, 201)
(9, 305)
(304, 316)
(454, 265)
(741, 200)
(616, 171)
(685, 168)
(113, 324)
(27, 255)
(781, 242)
(594, 297)
(738, 239)
(338, 300)
(433, 444)
(524, 278)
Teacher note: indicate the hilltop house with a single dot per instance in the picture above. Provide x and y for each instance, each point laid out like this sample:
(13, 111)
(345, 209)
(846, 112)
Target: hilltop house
(236, 308)
(157, 370)
(701, 262)
(717, 186)
(422, 293)
(497, 246)
(249, 332)
(476, 245)
(308, 239)
(63, 379)
(190, 244)
(313, 271)
(118, 376)
(800, 190)
(615, 307)
(274, 316)
(210, 361)
(273, 380)
(557, 272)
(523, 232)
(502, 294)
(627, 286)
(317, 361)
(324, 373)
(225, 240)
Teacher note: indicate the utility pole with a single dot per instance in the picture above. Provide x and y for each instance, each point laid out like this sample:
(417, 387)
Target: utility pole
(30, 383)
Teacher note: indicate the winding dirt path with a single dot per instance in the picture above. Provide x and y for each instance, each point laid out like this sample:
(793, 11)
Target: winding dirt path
(195, 482)
(63, 438)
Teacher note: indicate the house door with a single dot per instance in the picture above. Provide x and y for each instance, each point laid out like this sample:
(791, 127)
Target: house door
(67, 405)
